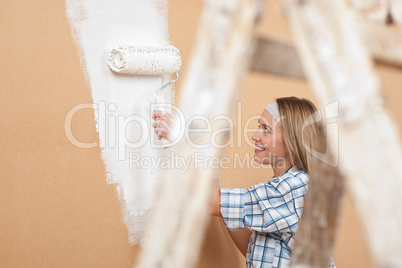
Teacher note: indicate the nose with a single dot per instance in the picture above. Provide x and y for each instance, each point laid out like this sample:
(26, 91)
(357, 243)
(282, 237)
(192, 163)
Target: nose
(256, 136)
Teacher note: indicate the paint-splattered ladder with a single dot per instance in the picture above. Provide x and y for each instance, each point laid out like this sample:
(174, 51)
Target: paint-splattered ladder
(336, 61)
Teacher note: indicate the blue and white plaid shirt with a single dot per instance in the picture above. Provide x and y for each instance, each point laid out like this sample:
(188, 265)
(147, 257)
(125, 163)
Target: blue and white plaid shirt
(272, 210)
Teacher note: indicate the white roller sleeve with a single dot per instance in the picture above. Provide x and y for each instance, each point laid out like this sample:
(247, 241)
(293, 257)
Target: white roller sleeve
(145, 60)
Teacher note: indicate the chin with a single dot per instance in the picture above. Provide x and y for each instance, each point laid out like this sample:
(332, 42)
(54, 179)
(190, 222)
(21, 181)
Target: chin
(261, 161)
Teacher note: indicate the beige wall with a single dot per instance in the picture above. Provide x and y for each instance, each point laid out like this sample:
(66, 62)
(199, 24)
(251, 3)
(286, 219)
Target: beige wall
(56, 209)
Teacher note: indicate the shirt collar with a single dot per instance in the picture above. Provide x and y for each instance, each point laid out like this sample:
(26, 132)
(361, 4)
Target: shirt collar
(292, 169)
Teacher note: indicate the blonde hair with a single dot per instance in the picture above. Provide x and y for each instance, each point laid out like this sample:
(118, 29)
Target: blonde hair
(299, 131)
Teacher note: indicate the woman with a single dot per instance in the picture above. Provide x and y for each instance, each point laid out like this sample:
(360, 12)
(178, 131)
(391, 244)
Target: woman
(266, 216)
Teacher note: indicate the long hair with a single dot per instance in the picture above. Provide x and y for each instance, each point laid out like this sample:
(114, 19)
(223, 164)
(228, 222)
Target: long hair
(299, 131)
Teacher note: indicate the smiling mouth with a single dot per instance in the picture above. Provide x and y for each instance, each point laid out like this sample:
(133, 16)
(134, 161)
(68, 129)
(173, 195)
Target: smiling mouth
(259, 149)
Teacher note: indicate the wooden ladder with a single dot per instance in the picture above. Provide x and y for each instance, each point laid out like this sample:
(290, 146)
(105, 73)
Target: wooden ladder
(336, 45)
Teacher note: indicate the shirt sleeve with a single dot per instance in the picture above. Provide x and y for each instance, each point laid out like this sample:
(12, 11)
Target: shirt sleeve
(264, 207)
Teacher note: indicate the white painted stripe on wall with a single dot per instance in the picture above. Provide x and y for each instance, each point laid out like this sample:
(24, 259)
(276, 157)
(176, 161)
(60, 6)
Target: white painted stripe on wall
(97, 27)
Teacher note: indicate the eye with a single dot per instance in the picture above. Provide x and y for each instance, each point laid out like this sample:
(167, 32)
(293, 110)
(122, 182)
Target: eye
(266, 129)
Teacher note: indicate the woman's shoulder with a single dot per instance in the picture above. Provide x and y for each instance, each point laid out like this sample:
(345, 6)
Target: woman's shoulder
(290, 180)
(296, 172)
(293, 178)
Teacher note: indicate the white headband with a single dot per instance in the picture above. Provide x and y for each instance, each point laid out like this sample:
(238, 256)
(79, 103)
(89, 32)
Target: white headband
(272, 108)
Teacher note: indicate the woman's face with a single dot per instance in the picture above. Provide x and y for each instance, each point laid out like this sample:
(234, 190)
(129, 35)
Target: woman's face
(270, 147)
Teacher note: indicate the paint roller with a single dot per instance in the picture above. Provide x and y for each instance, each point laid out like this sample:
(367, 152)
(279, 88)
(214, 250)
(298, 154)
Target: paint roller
(147, 61)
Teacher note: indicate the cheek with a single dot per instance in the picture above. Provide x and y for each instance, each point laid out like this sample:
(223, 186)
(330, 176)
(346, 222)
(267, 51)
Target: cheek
(281, 148)
(278, 146)
(267, 141)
